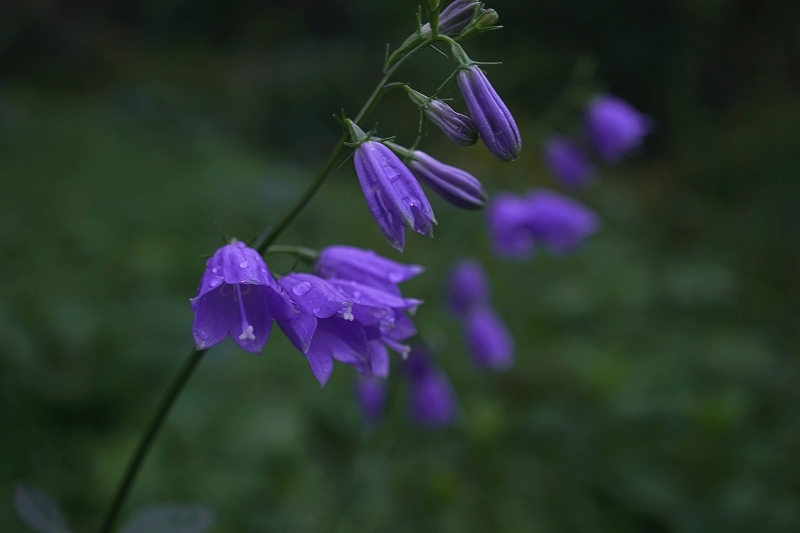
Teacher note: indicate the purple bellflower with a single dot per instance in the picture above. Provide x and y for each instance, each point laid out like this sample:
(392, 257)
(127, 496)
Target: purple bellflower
(393, 195)
(237, 296)
(455, 186)
(364, 266)
(496, 126)
(517, 224)
(568, 162)
(488, 340)
(454, 18)
(432, 399)
(350, 311)
(371, 398)
(614, 127)
(457, 127)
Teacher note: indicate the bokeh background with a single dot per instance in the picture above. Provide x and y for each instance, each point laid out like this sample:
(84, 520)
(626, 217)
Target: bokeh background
(657, 383)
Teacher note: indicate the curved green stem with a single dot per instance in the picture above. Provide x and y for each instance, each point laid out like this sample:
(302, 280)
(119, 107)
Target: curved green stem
(194, 358)
(146, 440)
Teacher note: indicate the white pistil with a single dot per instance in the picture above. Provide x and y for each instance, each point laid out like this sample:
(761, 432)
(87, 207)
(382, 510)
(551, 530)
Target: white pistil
(347, 313)
(247, 329)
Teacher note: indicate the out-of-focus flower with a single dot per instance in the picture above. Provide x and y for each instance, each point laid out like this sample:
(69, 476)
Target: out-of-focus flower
(457, 127)
(371, 398)
(496, 126)
(568, 162)
(237, 296)
(433, 400)
(488, 339)
(455, 186)
(517, 224)
(393, 195)
(614, 127)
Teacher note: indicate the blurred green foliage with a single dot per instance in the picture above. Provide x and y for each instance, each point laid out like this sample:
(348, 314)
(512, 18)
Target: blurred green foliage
(656, 384)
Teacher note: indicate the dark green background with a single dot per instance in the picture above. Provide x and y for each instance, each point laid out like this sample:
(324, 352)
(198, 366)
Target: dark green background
(657, 383)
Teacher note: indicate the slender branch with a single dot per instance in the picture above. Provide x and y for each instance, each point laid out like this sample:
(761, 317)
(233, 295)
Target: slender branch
(149, 435)
(195, 356)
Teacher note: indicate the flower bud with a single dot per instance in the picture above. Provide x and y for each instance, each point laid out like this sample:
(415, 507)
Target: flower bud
(371, 398)
(455, 186)
(488, 18)
(454, 18)
(467, 287)
(568, 162)
(457, 127)
(496, 126)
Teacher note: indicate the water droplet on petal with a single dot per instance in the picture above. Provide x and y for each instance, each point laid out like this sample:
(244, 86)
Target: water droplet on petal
(244, 264)
(215, 270)
(203, 334)
(216, 282)
(395, 276)
(301, 288)
(316, 310)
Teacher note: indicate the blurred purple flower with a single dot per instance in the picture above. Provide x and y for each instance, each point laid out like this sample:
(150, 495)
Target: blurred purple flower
(371, 398)
(614, 127)
(457, 127)
(393, 195)
(455, 186)
(568, 162)
(517, 224)
(237, 296)
(488, 339)
(433, 400)
(496, 126)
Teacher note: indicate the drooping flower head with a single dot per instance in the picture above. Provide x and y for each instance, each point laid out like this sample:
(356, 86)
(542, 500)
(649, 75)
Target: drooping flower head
(432, 399)
(567, 161)
(457, 127)
(454, 18)
(614, 127)
(488, 339)
(371, 398)
(393, 195)
(237, 296)
(517, 224)
(349, 321)
(496, 126)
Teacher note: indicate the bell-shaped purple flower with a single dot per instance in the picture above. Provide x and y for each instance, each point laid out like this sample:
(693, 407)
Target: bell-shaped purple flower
(432, 399)
(455, 186)
(346, 321)
(517, 224)
(365, 267)
(496, 126)
(568, 162)
(371, 398)
(393, 195)
(457, 127)
(237, 296)
(614, 127)
(454, 18)
(488, 339)
(467, 287)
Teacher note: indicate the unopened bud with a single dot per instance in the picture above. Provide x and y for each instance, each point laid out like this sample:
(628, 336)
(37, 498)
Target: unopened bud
(488, 18)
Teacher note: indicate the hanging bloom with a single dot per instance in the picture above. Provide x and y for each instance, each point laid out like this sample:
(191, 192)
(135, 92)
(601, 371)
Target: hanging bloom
(455, 186)
(614, 127)
(364, 266)
(488, 339)
(568, 162)
(393, 195)
(467, 287)
(237, 296)
(457, 127)
(347, 321)
(432, 398)
(496, 126)
(517, 224)
(371, 398)
(454, 18)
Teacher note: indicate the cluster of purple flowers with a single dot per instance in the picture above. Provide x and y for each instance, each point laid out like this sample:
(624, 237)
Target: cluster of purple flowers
(488, 339)
(432, 399)
(393, 194)
(349, 310)
(612, 127)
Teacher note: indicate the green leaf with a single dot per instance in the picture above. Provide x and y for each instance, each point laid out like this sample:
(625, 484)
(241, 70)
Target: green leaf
(170, 519)
(38, 510)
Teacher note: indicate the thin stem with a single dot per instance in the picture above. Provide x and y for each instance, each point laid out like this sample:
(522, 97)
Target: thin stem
(195, 356)
(149, 435)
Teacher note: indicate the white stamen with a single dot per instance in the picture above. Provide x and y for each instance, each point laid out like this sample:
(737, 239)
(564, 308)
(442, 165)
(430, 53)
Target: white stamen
(247, 334)
(347, 313)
